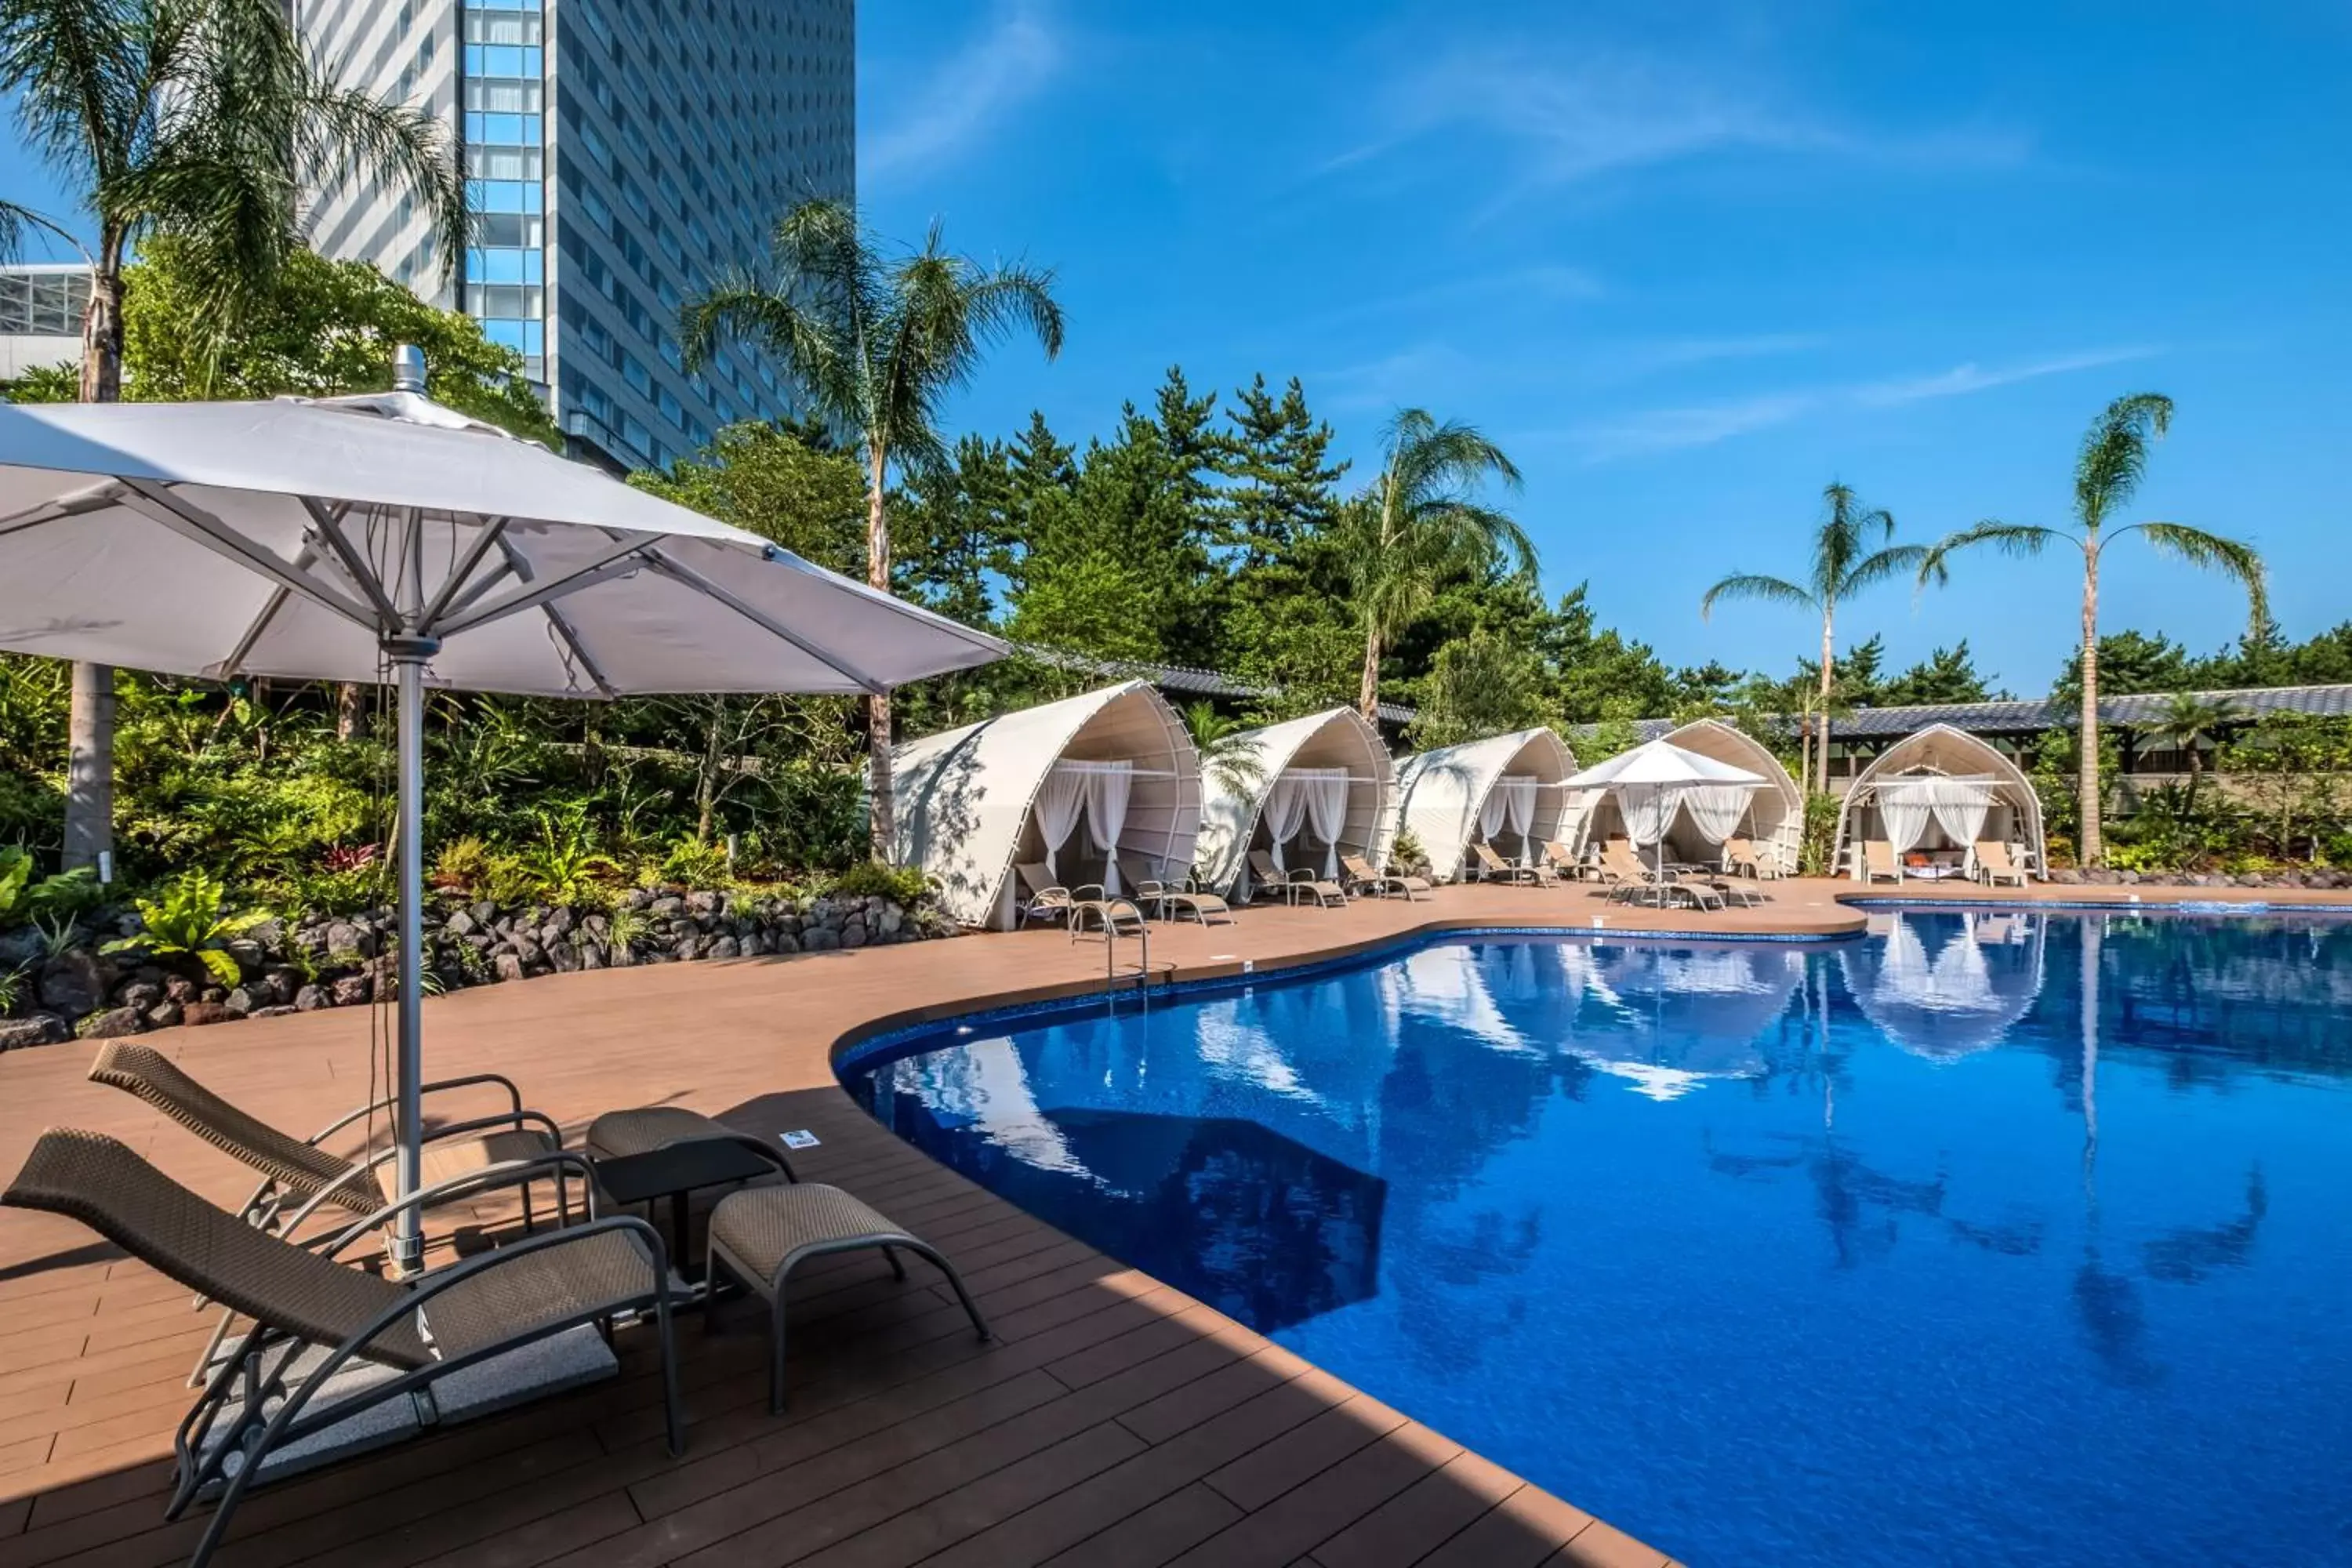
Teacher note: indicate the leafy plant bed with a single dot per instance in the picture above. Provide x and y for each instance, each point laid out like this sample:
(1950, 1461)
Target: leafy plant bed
(112, 973)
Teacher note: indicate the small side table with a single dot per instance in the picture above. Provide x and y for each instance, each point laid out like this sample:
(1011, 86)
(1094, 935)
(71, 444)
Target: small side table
(676, 1171)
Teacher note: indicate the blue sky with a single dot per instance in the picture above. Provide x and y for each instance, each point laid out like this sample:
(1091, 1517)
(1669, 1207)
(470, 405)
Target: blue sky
(1691, 262)
(1688, 262)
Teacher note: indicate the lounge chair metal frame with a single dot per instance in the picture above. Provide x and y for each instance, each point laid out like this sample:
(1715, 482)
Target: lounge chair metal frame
(273, 1413)
(1292, 882)
(1493, 868)
(1170, 899)
(1991, 875)
(1362, 877)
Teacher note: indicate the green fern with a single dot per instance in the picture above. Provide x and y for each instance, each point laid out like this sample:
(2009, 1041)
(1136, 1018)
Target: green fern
(189, 919)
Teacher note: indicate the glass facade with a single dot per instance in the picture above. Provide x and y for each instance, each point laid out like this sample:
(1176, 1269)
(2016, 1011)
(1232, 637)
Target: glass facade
(619, 156)
(505, 76)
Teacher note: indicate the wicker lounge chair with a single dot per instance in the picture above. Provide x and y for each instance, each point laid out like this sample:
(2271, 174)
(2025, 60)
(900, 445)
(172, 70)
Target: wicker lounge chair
(1169, 898)
(1994, 865)
(1294, 884)
(1562, 858)
(1044, 897)
(1878, 862)
(302, 1301)
(760, 1234)
(1493, 868)
(298, 1175)
(1361, 877)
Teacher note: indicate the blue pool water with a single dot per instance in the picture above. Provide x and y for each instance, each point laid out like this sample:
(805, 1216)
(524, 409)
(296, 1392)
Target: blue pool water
(1988, 1237)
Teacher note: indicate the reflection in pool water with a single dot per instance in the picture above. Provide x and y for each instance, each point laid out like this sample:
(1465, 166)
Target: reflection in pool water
(1991, 1236)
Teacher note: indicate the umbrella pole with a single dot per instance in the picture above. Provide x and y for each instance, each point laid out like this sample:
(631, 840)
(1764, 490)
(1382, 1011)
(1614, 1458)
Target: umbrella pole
(408, 656)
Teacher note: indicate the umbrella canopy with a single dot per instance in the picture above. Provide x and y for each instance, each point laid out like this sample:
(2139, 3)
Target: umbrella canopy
(328, 539)
(1651, 783)
(291, 537)
(1660, 762)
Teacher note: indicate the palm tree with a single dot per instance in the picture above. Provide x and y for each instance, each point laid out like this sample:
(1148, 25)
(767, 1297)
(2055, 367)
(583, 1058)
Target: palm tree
(876, 342)
(1843, 565)
(1226, 760)
(2191, 718)
(2108, 471)
(1420, 519)
(206, 121)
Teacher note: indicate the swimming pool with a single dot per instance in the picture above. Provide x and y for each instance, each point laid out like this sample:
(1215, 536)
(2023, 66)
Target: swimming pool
(1989, 1236)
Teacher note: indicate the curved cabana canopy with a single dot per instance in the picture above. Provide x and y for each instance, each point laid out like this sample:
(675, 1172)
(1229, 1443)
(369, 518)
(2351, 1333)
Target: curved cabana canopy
(1932, 797)
(1070, 784)
(1309, 791)
(1944, 984)
(1775, 823)
(1503, 790)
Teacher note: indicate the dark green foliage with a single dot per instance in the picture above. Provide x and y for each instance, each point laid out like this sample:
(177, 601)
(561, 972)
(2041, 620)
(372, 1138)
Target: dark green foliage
(871, 879)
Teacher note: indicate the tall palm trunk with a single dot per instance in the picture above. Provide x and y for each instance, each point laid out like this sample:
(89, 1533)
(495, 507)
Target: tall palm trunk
(2090, 850)
(89, 732)
(1367, 694)
(883, 809)
(1829, 644)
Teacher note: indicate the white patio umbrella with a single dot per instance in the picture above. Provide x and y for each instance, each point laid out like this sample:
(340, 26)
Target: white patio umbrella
(1649, 782)
(336, 538)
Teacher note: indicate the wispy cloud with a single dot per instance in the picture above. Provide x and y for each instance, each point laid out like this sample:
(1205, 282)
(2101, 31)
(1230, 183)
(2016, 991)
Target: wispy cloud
(1572, 113)
(1008, 61)
(1658, 430)
(1962, 379)
(1702, 424)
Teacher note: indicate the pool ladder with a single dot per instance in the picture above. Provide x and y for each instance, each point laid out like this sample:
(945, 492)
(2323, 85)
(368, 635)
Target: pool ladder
(1111, 912)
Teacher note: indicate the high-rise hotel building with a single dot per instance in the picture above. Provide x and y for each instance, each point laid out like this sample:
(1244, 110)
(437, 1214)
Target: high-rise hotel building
(619, 154)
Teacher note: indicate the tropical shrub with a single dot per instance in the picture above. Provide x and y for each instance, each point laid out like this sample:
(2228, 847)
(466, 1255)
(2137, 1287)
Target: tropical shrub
(871, 879)
(189, 918)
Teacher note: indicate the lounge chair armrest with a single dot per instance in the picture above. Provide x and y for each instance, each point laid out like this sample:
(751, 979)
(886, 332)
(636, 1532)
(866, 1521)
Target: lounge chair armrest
(1087, 892)
(555, 1162)
(389, 1102)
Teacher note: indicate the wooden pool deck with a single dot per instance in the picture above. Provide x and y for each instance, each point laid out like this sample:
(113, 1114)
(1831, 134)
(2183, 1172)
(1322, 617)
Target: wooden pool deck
(1115, 1421)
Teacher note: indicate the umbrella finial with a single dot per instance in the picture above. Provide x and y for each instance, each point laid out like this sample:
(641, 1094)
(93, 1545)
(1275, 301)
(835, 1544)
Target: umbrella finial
(408, 368)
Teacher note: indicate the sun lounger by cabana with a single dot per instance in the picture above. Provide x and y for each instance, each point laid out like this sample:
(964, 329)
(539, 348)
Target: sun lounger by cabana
(1740, 859)
(1932, 798)
(1308, 792)
(1041, 897)
(1362, 877)
(1066, 786)
(1272, 881)
(1170, 899)
(1878, 862)
(1493, 868)
(1993, 865)
(331, 1342)
(1504, 791)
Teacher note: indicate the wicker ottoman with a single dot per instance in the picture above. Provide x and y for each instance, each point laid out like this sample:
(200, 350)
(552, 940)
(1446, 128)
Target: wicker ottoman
(760, 1235)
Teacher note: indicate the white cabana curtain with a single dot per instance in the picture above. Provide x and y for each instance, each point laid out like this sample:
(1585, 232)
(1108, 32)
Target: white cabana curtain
(1056, 811)
(1107, 785)
(1648, 810)
(1717, 810)
(1324, 791)
(1511, 804)
(1285, 808)
(1906, 807)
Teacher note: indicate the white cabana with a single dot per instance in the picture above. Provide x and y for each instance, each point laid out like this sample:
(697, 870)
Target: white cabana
(1931, 797)
(1070, 784)
(1946, 984)
(1506, 790)
(1775, 820)
(1307, 791)
(1653, 787)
